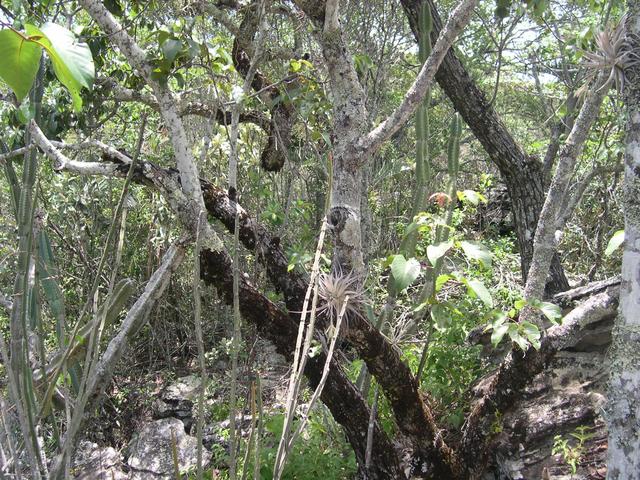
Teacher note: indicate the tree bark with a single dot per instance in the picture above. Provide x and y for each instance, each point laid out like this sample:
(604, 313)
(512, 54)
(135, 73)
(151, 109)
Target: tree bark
(623, 410)
(522, 174)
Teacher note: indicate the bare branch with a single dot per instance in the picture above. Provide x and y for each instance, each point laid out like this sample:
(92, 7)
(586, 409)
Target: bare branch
(456, 22)
(189, 178)
(135, 319)
(573, 201)
(203, 109)
(14, 153)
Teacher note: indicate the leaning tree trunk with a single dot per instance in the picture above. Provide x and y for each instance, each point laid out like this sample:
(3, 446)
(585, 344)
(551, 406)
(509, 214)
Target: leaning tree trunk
(522, 174)
(623, 412)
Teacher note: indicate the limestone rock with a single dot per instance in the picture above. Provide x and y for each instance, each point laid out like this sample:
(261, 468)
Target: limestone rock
(92, 462)
(151, 452)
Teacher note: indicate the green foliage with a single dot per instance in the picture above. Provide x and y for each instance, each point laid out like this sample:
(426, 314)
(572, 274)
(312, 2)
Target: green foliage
(572, 452)
(404, 272)
(20, 61)
(321, 453)
(72, 60)
(523, 334)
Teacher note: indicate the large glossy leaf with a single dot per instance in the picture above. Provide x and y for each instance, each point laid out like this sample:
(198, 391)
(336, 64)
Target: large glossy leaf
(550, 310)
(19, 61)
(71, 59)
(498, 333)
(478, 288)
(438, 250)
(404, 272)
(476, 251)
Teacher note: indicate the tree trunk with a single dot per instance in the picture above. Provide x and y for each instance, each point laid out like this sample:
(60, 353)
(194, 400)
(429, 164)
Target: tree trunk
(623, 411)
(522, 174)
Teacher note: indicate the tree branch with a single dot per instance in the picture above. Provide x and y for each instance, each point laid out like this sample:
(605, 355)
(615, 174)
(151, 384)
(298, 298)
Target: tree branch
(189, 179)
(414, 417)
(340, 395)
(203, 109)
(455, 24)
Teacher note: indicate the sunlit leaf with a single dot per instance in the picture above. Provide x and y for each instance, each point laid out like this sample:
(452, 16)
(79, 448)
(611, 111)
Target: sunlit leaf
(614, 243)
(498, 333)
(437, 251)
(441, 280)
(478, 288)
(404, 272)
(20, 62)
(71, 59)
(477, 251)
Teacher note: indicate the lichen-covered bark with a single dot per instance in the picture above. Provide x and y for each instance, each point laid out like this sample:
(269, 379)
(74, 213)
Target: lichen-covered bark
(544, 244)
(623, 410)
(167, 104)
(522, 174)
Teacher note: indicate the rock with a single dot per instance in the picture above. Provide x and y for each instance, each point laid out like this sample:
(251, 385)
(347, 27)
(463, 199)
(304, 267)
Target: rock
(92, 462)
(212, 439)
(151, 452)
(566, 397)
(177, 399)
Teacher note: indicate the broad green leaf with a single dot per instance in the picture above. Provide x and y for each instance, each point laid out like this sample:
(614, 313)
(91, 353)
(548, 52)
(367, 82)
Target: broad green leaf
(478, 288)
(614, 243)
(441, 280)
(521, 341)
(532, 333)
(498, 333)
(20, 62)
(170, 49)
(477, 251)
(550, 310)
(437, 251)
(404, 272)
(440, 315)
(72, 60)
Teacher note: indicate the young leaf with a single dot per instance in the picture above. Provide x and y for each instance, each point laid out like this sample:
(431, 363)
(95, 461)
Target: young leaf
(20, 62)
(515, 336)
(404, 272)
(532, 333)
(72, 60)
(478, 288)
(477, 251)
(437, 251)
(614, 243)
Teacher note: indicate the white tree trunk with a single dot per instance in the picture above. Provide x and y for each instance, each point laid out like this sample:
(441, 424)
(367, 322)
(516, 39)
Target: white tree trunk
(623, 410)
